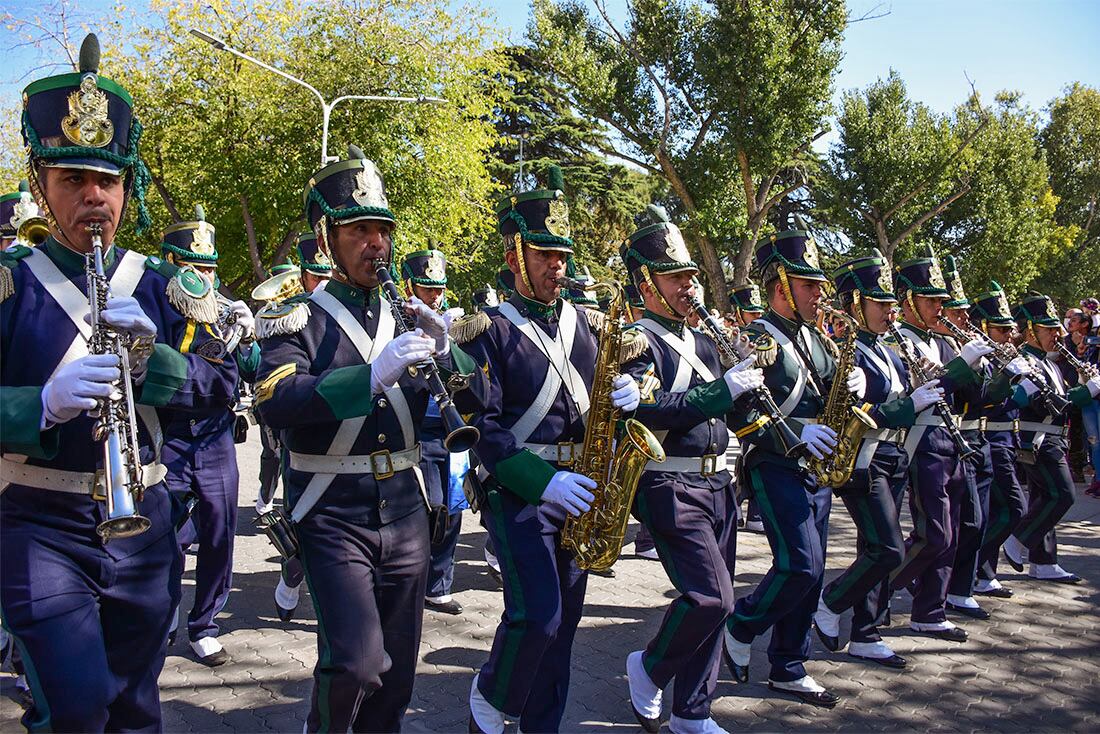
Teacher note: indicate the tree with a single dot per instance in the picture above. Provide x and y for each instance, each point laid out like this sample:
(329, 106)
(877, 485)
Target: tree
(720, 100)
(1072, 143)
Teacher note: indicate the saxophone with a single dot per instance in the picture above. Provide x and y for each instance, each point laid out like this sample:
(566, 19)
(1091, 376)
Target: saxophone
(115, 417)
(596, 537)
(849, 421)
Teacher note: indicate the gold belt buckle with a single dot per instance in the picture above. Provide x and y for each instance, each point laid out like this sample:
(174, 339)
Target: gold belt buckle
(385, 469)
(1015, 425)
(99, 487)
(565, 453)
(708, 466)
(982, 423)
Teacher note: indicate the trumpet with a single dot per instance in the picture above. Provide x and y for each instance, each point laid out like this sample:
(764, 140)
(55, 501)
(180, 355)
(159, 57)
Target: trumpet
(460, 437)
(761, 396)
(33, 231)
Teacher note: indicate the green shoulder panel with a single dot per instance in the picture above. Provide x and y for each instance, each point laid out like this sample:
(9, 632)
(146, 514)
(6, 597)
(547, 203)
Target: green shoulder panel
(160, 265)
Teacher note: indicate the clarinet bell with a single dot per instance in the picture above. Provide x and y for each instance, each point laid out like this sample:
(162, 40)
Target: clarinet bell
(1056, 404)
(460, 436)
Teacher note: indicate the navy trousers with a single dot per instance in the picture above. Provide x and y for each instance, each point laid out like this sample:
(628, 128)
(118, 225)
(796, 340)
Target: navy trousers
(795, 513)
(91, 624)
(207, 467)
(880, 546)
(696, 539)
(527, 674)
(1006, 502)
(973, 516)
(367, 586)
(937, 486)
(1050, 495)
(436, 464)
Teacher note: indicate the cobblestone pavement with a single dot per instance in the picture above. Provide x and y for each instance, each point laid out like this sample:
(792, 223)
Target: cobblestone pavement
(1034, 666)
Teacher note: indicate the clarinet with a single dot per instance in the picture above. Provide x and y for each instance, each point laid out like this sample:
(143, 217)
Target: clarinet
(460, 437)
(761, 397)
(920, 374)
(1083, 368)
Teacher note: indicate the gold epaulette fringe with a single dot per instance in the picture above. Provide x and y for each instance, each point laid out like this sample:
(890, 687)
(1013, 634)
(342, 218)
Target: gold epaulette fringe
(7, 283)
(467, 328)
(204, 310)
(633, 345)
(285, 318)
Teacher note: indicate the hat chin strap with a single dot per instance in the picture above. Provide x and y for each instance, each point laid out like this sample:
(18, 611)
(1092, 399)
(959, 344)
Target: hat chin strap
(521, 260)
(913, 307)
(656, 291)
(786, 286)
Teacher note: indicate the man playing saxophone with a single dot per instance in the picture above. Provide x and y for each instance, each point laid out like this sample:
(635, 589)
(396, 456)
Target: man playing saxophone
(686, 501)
(539, 353)
(874, 491)
(91, 618)
(799, 364)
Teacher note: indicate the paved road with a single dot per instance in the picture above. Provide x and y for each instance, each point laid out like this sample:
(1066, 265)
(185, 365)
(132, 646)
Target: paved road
(1034, 666)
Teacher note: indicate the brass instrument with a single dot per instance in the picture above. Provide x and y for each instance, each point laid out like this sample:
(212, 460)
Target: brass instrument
(279, 287)
(849, 421)
(115, 416)
(32, 231)
(761, 397)
(596, 537)
(922, 370)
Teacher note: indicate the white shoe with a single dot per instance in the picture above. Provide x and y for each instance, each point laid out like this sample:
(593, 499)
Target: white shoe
(262, 507)
(986, 585)
(967, 602)
(932, 626)
(487, 718)
(826, 619)
(1015, 551)
(740, 652)
(805, 684)
(287, 596)
(694, 726)
(651, 554)
(754, 526)
(873, 650)
(1049, 572)
(492, 561)
(645, 696)
(209, 651)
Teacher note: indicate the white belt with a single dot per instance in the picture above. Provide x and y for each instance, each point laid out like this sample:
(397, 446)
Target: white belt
(889, 435)
(1002, 426)
(1042, 428)
(563, 454)
(72, 482)
(976, 424)
(931, 419)
(382, 464)
(705, 465)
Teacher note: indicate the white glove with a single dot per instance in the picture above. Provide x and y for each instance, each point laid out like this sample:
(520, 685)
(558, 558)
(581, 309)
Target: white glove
(1018, 367)
(403, 352)
(569, 491)
(820, 440)
(431, 323)
(245, 319)
(973, 351)
(857, 382)
(927, 394)
(743, 378)
(124, 314)
(451, 314)
(625, 393)
(1094, 386)
(76, 386)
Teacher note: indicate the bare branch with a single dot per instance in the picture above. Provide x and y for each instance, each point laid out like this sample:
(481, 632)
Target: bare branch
(250, 231)
(701, 135)
(290, 238)
(782, 194)
(872, 14)
(609, 151)
(929, 214)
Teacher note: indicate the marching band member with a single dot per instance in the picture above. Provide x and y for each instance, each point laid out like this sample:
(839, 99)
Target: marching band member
(539, 353)
(875, 491)
(16, 209)
(90, 617)
(1043, 446)
(341, 392)
(686, 501)
(799, 365)
(747, 307)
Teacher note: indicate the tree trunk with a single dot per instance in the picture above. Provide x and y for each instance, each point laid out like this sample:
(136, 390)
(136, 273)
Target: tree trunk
(169, 202)
(289, 240)
(253, 248)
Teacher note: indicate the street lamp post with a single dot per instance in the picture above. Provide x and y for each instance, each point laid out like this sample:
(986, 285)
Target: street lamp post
(326, 107)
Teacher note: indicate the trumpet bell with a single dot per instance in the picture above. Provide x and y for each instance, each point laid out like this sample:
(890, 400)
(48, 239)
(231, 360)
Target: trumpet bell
(279, 287)
(33, 231)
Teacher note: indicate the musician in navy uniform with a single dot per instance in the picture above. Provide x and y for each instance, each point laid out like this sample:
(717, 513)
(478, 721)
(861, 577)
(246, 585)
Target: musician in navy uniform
(1043, 445)
(341, 392)
(199, 450)
(539, 353)
(799, 364)
(747, 307)
(686, 501)
(936, 470)
(90, 618)
(1007, 503)
(874, 493)
(15, 209)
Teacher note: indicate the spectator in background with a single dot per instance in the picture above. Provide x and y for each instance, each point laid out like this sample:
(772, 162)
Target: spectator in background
(1088, 329)
(1076, 322)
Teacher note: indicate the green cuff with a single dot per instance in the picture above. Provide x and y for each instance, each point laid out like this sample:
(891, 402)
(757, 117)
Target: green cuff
(960, 373)
(249, 362)
(1080, 396)
(164, 376)
(712, 399)
(1000, 387)
(347, 391)
(20, 418)
(897, 413)
(525, 475)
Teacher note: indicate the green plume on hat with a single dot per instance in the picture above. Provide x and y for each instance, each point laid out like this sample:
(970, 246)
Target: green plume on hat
(554, 178)
(354, 151)
(200, 215)
(89, 55)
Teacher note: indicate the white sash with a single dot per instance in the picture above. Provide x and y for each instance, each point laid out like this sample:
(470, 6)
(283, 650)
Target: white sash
(557, 352)
(886, 366)
(799, 387)
(926, 349)
(685, 347)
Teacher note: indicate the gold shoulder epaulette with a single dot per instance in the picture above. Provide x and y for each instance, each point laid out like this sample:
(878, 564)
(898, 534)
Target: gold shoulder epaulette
(633, 345)
(830, 345)
(8, 259)
(192, 295)
(767, 350)
(282, 318)
(466, 328)
(596, 319)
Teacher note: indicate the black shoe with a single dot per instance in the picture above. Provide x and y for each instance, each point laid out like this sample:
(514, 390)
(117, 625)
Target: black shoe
(445, 607)
(955, 634)
(895, 661)
(739, 673)
(650, 725)
(607, 574)
(26, 698)
(824, 699)
(832, 644)
(171, 638)
(214, 659)
(495, 575)
(972, 612)
(1001, 593)
(886, 620)
(1018, 567)
(285, 615)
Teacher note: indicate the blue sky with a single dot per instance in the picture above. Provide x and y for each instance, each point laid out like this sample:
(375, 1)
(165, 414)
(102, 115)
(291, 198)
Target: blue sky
(1036, 47)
